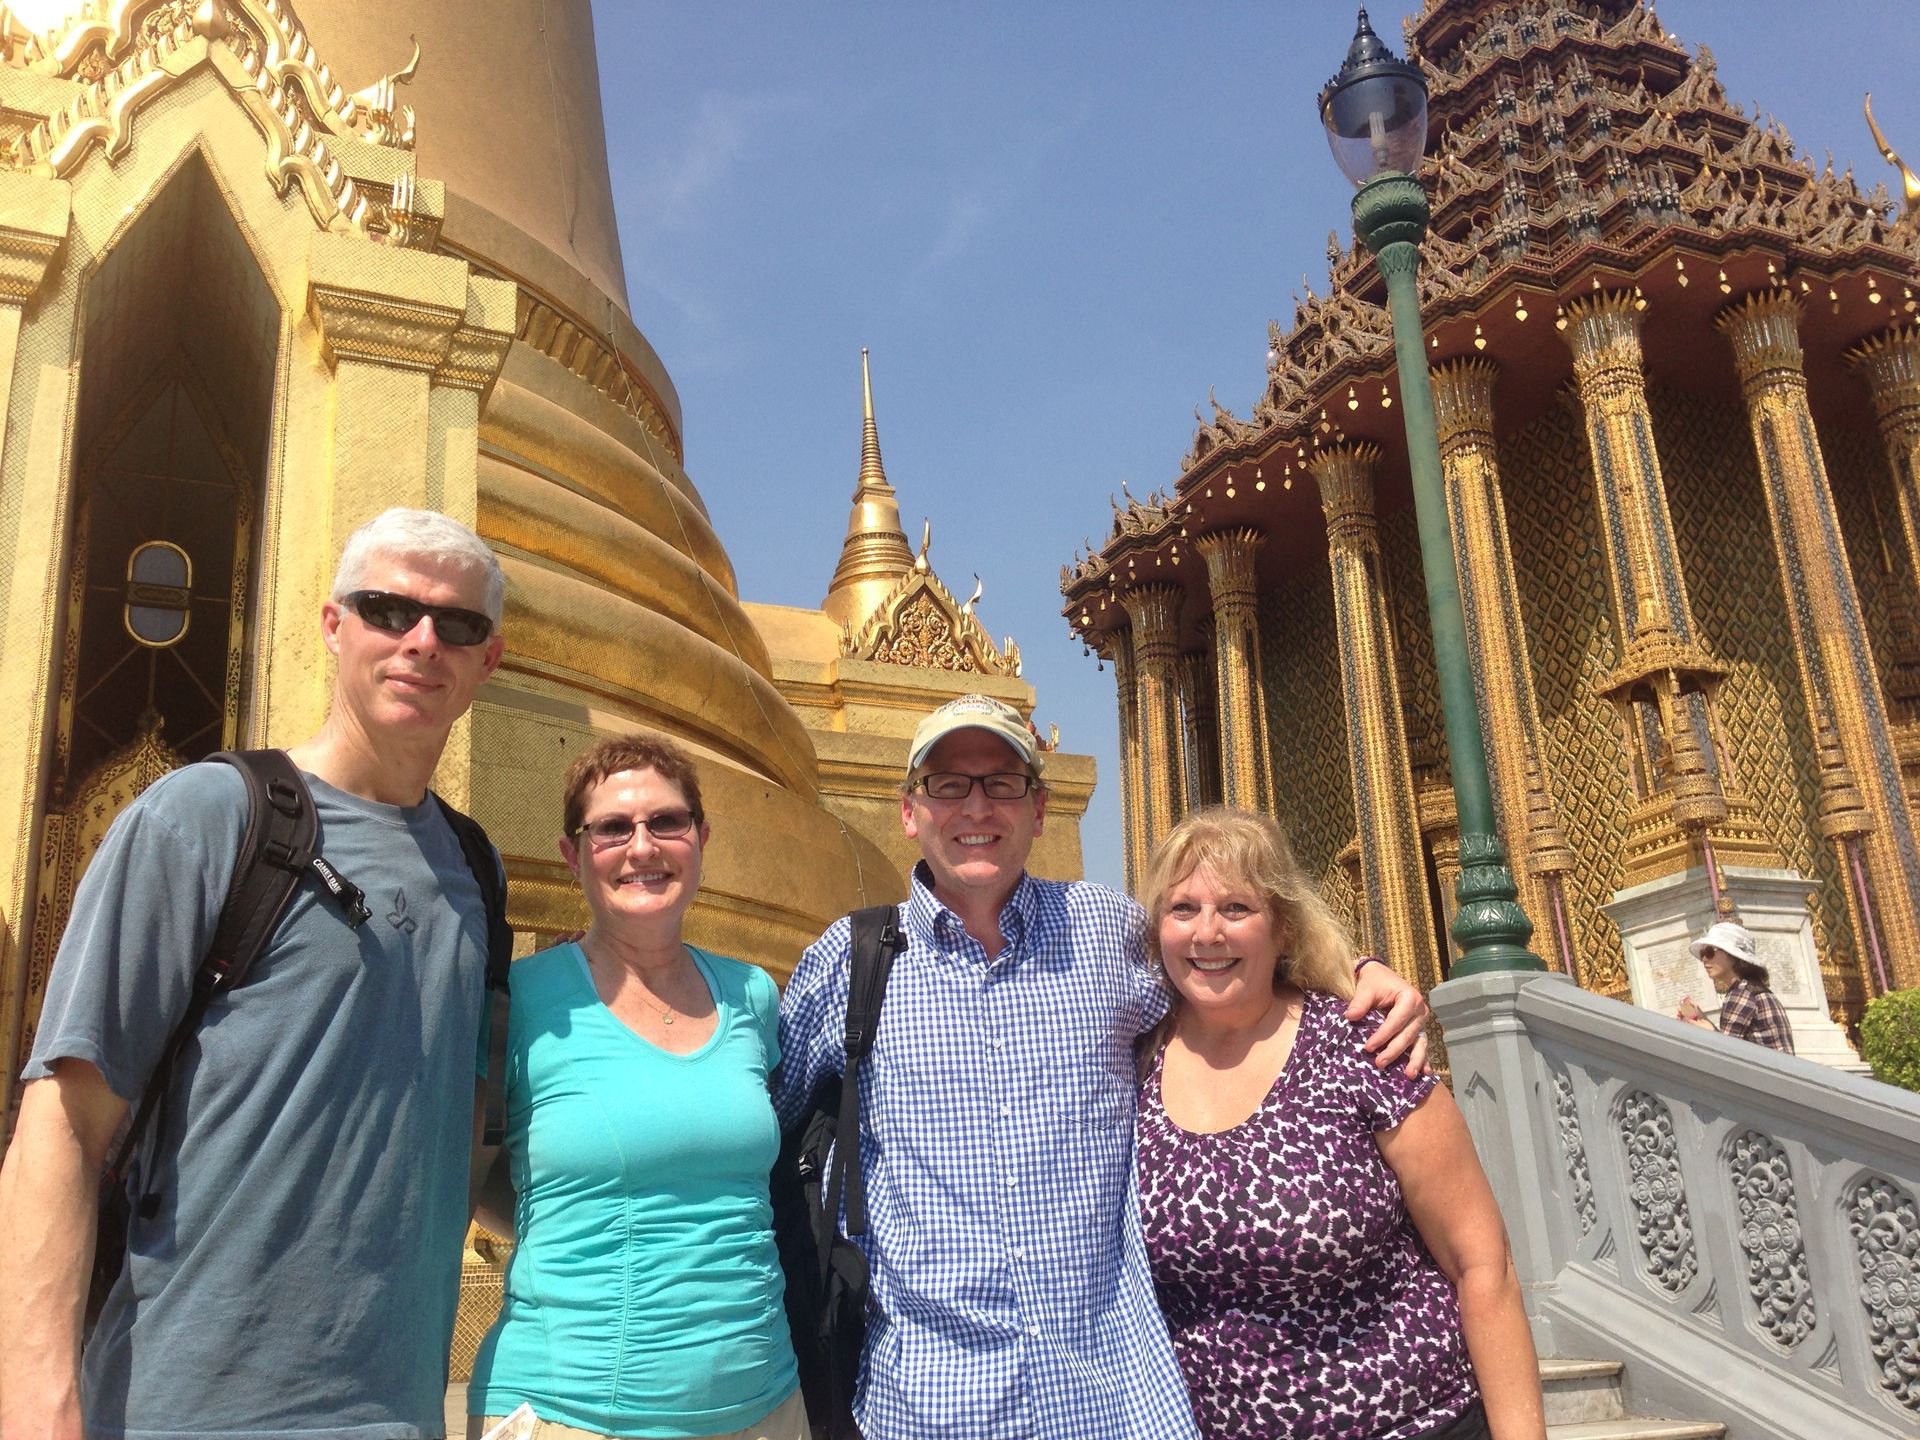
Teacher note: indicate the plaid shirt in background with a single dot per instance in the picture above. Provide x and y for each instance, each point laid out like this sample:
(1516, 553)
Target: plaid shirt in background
(1750, 1013)
(1010, 1278)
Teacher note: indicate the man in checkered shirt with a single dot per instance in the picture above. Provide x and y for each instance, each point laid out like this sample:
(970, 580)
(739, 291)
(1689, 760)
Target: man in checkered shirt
(1011, 1294)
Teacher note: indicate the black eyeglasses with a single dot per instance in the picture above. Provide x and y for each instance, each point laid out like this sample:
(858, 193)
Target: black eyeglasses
(397, 614)
(952, 785)
(611, 830)
(1707, 952)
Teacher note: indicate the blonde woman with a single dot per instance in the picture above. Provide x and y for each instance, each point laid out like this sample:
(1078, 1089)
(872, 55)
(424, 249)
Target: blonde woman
(1325, 1246)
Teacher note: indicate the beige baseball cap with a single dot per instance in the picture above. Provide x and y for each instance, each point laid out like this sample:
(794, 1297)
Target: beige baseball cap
(976, 712)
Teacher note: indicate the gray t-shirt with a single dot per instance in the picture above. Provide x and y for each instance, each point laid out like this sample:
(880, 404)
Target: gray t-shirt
(301, 1275)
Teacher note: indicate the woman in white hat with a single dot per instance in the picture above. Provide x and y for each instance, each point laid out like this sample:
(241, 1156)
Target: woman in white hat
(1748, 1009)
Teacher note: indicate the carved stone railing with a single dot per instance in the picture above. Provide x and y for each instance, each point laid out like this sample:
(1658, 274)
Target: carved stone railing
(1741, 1227)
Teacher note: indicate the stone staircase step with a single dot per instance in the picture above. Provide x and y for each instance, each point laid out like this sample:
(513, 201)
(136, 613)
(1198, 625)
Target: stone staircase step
(1633, 1428)
(1576, 1390)
(1583, 1403)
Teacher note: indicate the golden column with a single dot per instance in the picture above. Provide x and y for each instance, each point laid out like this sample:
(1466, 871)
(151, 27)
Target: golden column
(1239, 682)
(1201, 723)
(1664, 681)
(1155, 612)
(1502, 671)
(39, 215)
(415, 341)
(1836, 672)
(1891, 365)
(387, 318)
(1118, 647)
(1399, 919)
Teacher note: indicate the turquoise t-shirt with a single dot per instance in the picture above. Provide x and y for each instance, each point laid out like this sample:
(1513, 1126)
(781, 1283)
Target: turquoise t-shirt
(644, 1297)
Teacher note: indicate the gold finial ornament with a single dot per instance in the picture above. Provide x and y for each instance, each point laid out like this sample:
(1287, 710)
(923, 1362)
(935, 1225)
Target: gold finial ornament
(1909, 182)
(874, 556)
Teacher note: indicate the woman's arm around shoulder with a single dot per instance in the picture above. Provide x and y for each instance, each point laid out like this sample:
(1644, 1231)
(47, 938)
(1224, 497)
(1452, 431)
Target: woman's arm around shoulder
(1452, 1206)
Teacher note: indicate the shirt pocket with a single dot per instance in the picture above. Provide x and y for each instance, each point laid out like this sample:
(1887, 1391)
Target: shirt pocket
(1101, 1100)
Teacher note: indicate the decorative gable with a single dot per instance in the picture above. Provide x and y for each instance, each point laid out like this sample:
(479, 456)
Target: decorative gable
(116, 56)
(921, 624)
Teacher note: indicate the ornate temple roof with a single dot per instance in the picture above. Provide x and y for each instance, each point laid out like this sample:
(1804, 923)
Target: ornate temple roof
(888, 602)
(349, 153)
(1572, 145)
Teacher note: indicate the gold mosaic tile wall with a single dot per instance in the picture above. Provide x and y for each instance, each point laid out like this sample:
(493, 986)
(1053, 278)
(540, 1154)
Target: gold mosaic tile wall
(1306, 719)
(1869, 514)
(1558, 565)
(1870, 525)
(1413, 639)
(1726, 549)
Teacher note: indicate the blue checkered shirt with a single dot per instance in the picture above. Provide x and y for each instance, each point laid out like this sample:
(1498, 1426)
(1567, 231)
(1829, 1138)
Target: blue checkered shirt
(1011, 1291)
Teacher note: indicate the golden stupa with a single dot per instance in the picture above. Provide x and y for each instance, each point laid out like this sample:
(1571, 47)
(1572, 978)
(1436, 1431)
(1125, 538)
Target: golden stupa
(245, 306)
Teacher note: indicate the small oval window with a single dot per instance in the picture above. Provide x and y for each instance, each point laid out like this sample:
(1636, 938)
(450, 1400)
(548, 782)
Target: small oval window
(159, 587)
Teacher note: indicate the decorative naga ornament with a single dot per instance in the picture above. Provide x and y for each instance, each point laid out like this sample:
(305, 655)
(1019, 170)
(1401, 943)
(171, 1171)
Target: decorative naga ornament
(1909, 182)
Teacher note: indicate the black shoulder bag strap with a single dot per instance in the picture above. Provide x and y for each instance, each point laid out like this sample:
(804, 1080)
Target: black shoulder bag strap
(277, 848)
(877, 938)
(485, 865)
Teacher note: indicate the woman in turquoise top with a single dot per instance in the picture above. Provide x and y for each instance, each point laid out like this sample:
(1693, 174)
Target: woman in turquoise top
(644, 1297)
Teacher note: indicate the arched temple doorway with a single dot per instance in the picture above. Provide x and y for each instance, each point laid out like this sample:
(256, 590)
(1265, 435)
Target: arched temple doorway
(174, 415)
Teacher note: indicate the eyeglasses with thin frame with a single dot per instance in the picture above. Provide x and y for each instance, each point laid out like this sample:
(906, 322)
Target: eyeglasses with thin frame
(952, 785)
(398, 614)
(614, 830)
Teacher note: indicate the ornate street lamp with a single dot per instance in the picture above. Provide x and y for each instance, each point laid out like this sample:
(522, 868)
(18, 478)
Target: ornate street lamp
(1375, 111)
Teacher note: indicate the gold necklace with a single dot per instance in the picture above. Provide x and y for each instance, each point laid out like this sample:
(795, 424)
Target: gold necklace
(653, 1001)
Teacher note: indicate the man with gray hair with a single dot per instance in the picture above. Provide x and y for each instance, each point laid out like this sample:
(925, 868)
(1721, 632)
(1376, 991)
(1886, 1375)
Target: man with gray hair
(299, 1270)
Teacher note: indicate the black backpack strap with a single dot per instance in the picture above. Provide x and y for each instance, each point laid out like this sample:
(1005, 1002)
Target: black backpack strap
(277, 848)
(877, 938)
(485, 864)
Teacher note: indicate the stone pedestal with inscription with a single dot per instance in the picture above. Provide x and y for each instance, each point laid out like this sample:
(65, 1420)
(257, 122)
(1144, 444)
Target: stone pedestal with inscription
(1657, 920)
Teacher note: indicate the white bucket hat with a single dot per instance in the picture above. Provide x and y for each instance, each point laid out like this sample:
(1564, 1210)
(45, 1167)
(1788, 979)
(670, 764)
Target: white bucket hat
(1725, 936)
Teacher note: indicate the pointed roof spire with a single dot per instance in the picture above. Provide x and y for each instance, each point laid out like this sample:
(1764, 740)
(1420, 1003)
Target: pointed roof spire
(872, 472)
(875, 554)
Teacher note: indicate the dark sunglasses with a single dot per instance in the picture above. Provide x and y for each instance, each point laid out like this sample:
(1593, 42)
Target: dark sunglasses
(611, 830)
(398, 614)
(1707, 952)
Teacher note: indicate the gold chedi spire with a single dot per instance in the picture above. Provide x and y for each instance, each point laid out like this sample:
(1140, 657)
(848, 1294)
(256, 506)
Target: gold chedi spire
(875, 554)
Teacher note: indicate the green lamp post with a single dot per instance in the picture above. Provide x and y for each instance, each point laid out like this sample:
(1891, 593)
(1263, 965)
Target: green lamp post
(1375, 112)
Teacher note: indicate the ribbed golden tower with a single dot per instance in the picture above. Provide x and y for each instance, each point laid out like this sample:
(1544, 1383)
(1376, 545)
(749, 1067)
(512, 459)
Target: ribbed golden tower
(244, 307)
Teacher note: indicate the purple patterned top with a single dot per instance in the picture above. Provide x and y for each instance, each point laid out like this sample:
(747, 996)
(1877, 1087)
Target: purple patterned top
(1299, 1295)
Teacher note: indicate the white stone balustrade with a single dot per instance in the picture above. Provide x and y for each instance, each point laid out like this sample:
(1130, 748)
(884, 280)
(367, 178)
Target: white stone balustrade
(1741, 1227)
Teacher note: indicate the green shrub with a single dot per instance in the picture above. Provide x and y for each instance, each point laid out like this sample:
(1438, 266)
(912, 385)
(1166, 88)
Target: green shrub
(1890, 1038)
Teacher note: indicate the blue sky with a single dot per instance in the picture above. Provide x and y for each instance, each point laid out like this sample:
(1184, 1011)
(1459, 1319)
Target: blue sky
(1055, 225)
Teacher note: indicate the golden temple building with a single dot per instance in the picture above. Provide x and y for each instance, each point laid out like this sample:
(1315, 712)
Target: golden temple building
(889, 643)
(1676, 369)
(244, 307)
